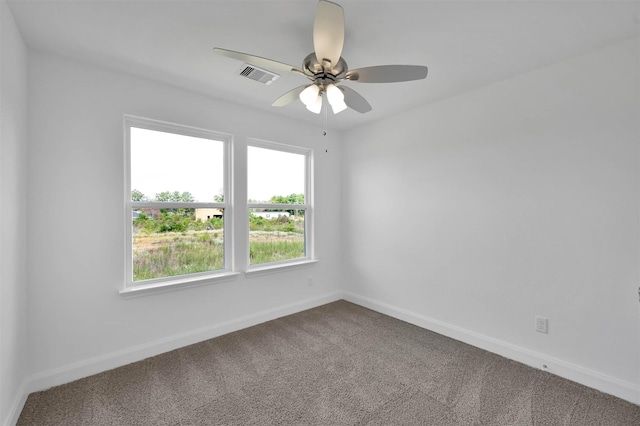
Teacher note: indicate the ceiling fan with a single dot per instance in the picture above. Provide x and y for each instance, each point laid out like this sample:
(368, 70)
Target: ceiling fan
(326, 68)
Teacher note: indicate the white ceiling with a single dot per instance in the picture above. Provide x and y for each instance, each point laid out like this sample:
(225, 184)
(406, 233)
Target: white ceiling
(465, 44)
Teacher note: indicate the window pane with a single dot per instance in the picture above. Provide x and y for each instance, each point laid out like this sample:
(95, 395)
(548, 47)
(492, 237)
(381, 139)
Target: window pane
(170, 242)
(172, 167)
(275, 176)
(275, 235)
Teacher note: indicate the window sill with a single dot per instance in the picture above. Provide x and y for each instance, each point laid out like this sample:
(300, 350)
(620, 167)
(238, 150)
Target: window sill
(176, 284)
(278, 267)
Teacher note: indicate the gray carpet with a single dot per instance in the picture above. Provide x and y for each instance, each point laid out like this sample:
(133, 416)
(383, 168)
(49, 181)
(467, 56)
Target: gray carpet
(338, 364)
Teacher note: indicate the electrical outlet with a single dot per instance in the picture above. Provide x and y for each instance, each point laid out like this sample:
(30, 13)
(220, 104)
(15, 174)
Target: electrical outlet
(542, 325)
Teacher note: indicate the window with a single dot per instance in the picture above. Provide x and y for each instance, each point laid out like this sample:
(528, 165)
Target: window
(279, 202)
(177, 203)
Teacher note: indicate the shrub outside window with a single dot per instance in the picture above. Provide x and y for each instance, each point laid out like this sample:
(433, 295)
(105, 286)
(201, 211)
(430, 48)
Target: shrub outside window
(279, 202)
(177, 202)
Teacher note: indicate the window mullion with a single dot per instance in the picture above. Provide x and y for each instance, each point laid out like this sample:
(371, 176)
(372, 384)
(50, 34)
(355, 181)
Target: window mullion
(173, 205)
(278, 206)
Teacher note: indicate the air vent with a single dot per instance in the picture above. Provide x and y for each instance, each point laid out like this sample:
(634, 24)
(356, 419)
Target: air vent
(257, 74)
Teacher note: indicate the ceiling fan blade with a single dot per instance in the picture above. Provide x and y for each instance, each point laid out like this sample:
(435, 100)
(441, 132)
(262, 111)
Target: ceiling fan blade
(328, 32)
(387, 73)
(257, 60)
(289, 97)
(354, 100)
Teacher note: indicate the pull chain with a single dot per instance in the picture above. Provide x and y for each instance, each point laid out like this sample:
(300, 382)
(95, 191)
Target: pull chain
(326, 107)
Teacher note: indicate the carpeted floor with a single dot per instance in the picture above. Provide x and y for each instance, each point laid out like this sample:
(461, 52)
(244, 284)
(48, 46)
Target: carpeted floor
(338, 364)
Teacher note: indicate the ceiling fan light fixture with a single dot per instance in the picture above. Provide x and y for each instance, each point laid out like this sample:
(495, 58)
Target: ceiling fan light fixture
(316, 105)
(334, 95)
(336, 98)
(309, 95)
(338, 107)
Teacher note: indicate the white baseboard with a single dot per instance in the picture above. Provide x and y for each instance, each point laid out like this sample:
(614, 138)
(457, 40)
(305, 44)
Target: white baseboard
(593, 379)
(18, 403)
(78, 370)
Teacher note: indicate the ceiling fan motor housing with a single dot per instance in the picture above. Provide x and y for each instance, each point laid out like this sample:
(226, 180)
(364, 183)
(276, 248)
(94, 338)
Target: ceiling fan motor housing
(321, 75)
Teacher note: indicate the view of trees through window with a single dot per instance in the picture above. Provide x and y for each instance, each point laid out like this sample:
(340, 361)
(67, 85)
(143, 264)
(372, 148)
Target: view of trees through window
(169, 237)
(276, 179)
(176, 241)
(276, 235)
(178, 180)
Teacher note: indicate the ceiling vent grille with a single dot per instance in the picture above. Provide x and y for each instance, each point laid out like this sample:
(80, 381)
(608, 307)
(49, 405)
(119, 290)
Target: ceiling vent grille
(257, 74)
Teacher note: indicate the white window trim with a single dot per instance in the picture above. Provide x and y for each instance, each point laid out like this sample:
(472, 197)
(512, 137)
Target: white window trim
(162, 284)
(308, 206)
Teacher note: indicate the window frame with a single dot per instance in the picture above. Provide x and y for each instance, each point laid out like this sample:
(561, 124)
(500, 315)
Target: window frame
(308, 207)
(131, 286)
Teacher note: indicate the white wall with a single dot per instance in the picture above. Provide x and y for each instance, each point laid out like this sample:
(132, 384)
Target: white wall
(514, 200)
(78, 323)
(13, 189)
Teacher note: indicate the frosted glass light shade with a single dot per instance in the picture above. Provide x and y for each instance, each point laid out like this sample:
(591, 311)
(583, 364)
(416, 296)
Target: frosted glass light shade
(309, 95)
(316, 105)
(334, 95)
(338, 107)
(336, 98)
